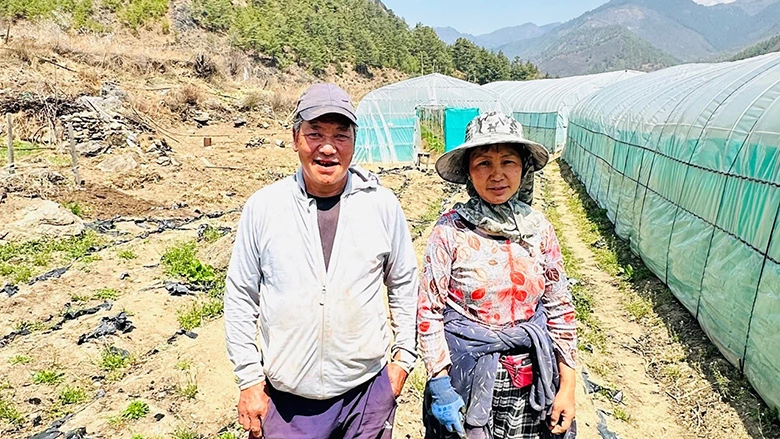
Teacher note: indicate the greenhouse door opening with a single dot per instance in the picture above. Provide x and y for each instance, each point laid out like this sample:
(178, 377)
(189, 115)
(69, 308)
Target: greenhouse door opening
(442, 129)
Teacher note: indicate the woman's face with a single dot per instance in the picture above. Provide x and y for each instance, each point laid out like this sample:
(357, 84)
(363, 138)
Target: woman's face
(495, 172)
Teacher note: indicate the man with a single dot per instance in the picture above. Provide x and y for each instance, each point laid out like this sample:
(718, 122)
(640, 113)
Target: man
(311, 254)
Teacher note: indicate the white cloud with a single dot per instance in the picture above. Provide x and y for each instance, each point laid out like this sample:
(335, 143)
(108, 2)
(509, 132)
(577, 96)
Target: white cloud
(713, 2)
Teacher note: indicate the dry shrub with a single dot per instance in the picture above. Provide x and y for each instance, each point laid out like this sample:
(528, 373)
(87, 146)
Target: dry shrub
(204, 66)
(90, 79)
(187, 96)
(251, 101)
(236, 63)
(283, 103)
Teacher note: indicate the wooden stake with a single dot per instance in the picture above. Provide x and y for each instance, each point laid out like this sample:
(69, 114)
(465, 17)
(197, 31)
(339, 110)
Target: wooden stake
(74, 156)
(10, 128)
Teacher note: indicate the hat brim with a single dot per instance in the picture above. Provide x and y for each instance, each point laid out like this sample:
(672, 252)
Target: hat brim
(315, 112)
(450, 165)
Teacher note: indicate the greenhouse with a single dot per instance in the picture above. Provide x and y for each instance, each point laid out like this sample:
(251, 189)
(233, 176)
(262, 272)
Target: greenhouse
(432, 111)
(543, 106)
(686, 161)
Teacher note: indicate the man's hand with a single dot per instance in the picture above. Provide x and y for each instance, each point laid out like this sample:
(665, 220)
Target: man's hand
(397, 378)
(252, 407)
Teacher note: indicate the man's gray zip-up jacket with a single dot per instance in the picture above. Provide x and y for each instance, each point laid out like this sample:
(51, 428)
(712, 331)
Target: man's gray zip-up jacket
(322, 332)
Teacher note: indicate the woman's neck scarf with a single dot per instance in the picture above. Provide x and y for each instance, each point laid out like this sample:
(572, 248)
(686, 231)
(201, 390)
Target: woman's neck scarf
(512, 219)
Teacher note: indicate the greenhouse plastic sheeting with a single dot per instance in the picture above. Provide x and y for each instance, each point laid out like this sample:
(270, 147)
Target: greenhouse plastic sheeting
(543, 106)
(455, 122)
(387, 116)
(686, 161)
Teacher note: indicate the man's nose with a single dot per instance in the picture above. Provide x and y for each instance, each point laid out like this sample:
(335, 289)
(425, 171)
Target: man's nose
(328, 148)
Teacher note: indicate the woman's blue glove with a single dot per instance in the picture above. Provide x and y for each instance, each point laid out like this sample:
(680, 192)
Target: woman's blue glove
(446, 405)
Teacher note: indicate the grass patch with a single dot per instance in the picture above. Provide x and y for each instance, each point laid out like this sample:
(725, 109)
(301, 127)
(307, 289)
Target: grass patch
(418, 378)
(79, 299)
(27, 326)
(72, 395)
(114, 361)
(431, 214)
(106, 294)
(75, 208)
(180, 260)
(183, 365)
(135, 410)
(184, 433)
(590, 332)
(127, 255)
(189, 390)
(19, 262)
(10, 414)
(49, 377)
(197, 313)
(20, 359)
(212, 235)
(621, 414)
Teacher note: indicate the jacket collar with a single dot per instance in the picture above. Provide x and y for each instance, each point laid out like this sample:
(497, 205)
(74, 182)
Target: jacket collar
(358, 180)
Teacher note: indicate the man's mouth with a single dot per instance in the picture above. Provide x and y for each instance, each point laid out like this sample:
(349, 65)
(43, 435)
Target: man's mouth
(326, 163)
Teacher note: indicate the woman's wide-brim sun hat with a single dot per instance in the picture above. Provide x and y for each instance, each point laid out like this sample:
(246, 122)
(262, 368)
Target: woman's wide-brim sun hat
(488, 129)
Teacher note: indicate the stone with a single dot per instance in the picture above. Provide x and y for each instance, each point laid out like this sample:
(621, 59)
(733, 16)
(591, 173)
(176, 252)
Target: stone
(91, 148)
(164, 161)
(265, 125)
(39, 219)
(202, 118)
(280, 143)
(238, 123)
(119, 163)
(115, 126)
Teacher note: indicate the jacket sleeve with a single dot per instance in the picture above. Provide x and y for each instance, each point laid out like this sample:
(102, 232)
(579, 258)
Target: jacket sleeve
(557, 299)
(400, 277)
(434, 287)
(242, 298)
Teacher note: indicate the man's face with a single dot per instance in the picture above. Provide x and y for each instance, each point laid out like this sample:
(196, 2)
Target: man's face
(325, 147)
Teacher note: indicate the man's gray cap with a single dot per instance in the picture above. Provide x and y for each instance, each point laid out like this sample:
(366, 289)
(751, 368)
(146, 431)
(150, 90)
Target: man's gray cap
(325, 98)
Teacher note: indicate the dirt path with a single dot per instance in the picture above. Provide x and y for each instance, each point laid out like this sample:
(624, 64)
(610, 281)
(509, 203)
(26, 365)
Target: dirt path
(641, 340)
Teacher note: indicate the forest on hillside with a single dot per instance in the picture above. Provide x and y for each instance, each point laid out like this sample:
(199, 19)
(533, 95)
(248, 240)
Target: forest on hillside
(361, 34)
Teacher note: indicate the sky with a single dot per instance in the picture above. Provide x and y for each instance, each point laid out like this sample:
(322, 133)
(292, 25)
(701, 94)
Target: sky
(485, 16)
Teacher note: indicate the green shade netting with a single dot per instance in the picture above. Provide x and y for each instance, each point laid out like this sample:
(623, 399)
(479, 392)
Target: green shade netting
(686, 161)
(455, 121)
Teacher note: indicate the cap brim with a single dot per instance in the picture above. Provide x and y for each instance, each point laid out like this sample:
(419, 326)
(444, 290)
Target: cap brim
(450, 165)
(315, 112)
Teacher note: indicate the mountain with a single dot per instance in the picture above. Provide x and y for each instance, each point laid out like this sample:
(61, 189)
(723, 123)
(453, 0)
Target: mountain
(762, 48)
(653, 33)
(497, 38)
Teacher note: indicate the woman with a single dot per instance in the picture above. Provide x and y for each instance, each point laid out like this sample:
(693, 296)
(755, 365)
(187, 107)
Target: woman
(495, 314)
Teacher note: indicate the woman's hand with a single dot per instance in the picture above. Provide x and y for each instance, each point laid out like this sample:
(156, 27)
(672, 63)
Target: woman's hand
(563, 409)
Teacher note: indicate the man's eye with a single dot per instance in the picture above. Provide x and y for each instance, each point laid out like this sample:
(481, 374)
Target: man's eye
(313, 136)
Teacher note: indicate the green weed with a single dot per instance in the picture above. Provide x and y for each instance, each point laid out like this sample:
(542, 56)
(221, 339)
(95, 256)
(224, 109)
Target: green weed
(127, 254)
(106, 294)
(189, 390)
(135, 410)
(49, 377)
(20, 359)
(183, 433)
(418, 378)
(180, 260)
(10, 414)
(114, 360)
(75, 208)
(183, 365)
(79, 299)
(621, 414)
(72, 395)
(212, 235)
(194, 315)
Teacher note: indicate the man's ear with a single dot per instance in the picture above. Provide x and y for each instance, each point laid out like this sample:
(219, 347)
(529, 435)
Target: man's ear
(295, 136)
